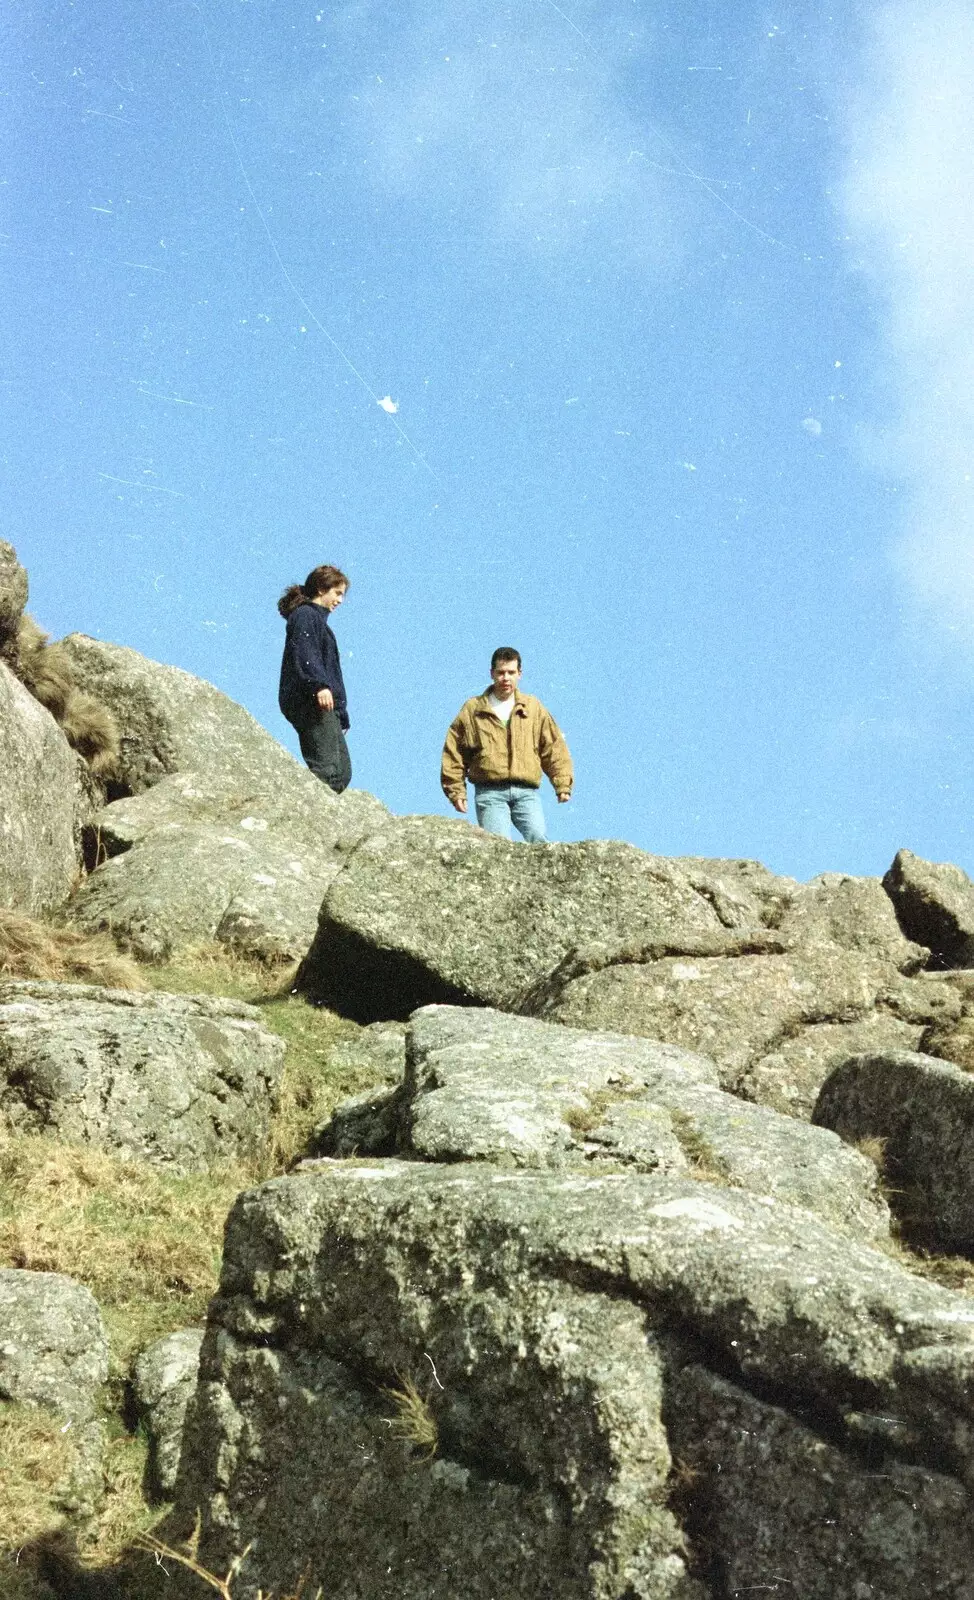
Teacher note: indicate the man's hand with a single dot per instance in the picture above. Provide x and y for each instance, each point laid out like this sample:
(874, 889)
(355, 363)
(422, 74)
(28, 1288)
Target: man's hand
(563, 797)
(325, 699)
(458, 802)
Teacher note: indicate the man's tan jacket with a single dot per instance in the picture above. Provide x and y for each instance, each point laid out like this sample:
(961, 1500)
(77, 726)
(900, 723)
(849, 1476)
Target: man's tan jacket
(480, 747)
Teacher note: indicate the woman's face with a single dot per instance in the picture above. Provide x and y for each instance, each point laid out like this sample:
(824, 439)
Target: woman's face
(331, 599)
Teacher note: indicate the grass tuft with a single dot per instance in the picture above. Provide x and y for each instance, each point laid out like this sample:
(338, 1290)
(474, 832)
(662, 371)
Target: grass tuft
(49, 954)
(412, 1419)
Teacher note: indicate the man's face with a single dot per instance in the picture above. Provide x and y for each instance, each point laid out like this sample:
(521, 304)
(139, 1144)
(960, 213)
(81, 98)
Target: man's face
(505, 677)
(331, 599)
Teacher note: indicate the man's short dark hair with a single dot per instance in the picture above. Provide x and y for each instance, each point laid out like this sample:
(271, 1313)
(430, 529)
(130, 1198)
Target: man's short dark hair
(505, 652)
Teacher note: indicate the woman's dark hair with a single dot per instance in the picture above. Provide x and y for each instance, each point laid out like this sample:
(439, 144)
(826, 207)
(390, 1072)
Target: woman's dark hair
(318, 581)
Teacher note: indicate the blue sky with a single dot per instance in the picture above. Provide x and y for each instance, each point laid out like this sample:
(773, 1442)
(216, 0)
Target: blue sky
(676, 304)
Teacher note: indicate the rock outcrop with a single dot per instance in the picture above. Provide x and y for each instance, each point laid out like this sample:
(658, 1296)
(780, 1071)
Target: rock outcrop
(777, 981)
(202, 857)
(163, 1382)
(170, 721)
(431, 910)
(54, 1357)
(923, 1112)
(569, 1350)
(483, 1086)
(579, 1312)
(179, 1081)
(40, 804)
(935, 905)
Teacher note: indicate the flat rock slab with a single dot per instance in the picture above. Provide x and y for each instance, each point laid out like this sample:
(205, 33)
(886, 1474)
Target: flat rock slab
(935, 905)
(164, 1381)
(296, 806)
(430, 910)
(546, 1321)
(484, 1086)
(923, 1109)
(186, 885)
(40, 804)
(180, 1081)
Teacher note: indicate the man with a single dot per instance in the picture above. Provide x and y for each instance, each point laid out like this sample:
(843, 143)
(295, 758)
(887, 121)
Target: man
(503, 741)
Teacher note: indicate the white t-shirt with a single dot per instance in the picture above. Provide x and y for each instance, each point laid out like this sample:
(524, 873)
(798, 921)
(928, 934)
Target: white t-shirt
(501, 708)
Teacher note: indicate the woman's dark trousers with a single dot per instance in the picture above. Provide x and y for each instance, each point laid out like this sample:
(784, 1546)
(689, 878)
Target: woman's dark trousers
(325, 751)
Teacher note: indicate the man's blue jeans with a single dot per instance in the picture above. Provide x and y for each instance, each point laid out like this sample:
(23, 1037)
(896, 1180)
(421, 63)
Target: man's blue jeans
(500, 804)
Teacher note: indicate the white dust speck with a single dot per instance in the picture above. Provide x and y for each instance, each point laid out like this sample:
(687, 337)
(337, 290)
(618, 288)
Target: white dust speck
(389, 405)
(812, 426)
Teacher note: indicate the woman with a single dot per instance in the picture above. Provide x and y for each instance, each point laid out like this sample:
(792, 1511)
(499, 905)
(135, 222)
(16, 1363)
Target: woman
(312, 693)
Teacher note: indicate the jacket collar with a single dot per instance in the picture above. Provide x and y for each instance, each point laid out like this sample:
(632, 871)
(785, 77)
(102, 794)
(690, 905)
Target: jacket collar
(484, 705)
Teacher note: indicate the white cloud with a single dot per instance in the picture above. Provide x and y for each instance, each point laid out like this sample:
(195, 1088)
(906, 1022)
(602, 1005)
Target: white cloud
(907, 200)
(514, 116)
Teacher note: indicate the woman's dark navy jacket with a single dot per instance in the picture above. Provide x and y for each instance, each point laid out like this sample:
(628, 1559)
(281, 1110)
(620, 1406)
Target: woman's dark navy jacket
(311, 662)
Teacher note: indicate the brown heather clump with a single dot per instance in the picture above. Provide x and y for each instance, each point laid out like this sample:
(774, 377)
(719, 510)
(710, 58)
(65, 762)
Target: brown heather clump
(49, 954)
(46, 670)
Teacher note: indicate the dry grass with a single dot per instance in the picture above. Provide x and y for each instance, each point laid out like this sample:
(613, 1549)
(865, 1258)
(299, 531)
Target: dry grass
(49, 954)
(147, 1245)
(704, 1163)
(213, 969)
(586, 1118)
(47, 671)
(874, 1149)
(36, 1457)
(188, 1558)
(412, 1419)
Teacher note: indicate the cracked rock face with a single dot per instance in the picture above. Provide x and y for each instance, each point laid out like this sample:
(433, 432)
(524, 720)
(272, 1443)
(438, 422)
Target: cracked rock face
(199, 858)
(775, 980)
(740, 1010)
(176, 1080)
(759, 1487)
(40, 804)
(483, 1086)
(591, 1348)
(431, 910)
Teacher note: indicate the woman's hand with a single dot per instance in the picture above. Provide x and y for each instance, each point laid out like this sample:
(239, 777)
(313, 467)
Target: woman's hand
(325, 699)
